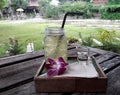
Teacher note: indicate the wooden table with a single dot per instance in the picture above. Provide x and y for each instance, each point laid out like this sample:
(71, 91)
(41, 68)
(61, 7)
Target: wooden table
(17, 72)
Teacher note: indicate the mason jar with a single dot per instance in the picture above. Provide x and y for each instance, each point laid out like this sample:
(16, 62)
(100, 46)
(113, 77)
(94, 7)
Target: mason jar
(55, 43)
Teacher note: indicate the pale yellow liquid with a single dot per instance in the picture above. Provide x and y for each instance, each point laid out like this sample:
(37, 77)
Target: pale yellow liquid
(55, 47)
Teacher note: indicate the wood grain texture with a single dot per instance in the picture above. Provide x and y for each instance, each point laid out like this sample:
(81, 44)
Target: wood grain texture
(14, 74)
(29, 89)
(105, 57)
(114, 82)
(20, 75)
(19, 58)
(111, 64)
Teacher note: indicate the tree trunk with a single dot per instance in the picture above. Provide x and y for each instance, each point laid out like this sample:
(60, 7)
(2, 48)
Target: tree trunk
(1, 14)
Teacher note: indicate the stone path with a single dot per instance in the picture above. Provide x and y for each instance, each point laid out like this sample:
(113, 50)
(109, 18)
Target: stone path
(94, 23)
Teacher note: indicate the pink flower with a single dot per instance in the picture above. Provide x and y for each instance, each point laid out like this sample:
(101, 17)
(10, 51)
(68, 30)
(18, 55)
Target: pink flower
(57, 67)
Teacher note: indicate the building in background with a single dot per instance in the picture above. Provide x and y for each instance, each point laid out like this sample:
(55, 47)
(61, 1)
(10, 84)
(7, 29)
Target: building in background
(33, 3)
(99, 2)
(32, 6)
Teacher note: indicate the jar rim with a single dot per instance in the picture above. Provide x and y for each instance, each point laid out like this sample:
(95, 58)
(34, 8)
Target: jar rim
(54, 31)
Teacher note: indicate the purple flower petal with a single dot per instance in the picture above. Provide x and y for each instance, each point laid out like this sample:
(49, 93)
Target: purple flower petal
(48, 66)
(61, 62)
(52, 72)
(60, 59)
(61, 71)
(57, 67)
(51, 61)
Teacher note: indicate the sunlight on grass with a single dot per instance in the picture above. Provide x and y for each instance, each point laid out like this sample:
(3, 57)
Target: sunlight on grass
(34, 32)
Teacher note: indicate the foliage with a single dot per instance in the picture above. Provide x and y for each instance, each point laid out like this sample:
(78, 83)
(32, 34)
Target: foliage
(114, 47)
(111, 2)
(52, 12)
(106, 35)
(43, 5)
(77, 7)
(88, 11)
(107, 38)
(33, 32)
(95, 8)
(19, 3)
(72, 40)
(87, 41)
(10, 6)
(2, 4)
(62, 1)
(65, 7)
(110, 12)
(13, 47)
(112, 16)
(47, 10)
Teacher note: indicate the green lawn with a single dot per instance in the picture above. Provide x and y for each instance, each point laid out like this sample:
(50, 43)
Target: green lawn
(34, 32)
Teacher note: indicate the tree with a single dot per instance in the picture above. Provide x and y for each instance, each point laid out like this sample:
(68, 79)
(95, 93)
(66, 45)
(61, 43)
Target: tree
(62, 1)
(18, 3)
(2, 4)
(114, 2)
(43, 6)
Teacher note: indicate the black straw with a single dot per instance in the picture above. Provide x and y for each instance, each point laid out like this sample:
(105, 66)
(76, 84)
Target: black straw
(70, 13)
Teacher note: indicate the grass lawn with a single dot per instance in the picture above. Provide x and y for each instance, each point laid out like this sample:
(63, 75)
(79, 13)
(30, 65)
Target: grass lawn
(34, 32)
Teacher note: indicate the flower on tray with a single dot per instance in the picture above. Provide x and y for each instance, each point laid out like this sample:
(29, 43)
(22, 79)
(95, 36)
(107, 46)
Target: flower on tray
(57, 67)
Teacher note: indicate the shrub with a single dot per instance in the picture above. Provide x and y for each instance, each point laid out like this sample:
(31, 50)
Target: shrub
(110, 12)
(65, 7)
(107, 38)
(112, 16)
(13, 47)
(87, 41)
(111, 2)
(77, 7)
(52, 12)
(72, 40)
(114, 47)
(47, 10)
(43, 5)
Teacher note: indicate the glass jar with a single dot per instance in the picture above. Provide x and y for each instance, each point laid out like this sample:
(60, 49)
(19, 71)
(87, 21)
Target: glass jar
(55, 43)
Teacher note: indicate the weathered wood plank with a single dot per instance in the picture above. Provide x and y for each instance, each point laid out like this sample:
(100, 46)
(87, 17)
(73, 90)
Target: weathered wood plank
(26, 70)
(23, 57)
(104, 57)
(19, 58)
(11, 75)
(95, 50)
(114, 82)
(111, 64)
(73, 52)
(26, 89)
(29, 89)
(99, 51)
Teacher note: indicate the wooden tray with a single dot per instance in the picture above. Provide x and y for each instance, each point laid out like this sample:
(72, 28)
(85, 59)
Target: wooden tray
(70, 84)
